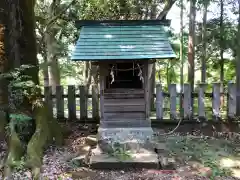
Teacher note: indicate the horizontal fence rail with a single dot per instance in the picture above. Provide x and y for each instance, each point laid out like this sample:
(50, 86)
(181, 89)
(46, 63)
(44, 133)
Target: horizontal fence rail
(76, 103)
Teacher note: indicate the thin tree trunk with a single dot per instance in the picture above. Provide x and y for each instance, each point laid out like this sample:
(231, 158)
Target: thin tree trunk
(191, 48)
(238, 65)
(181, 56)
(53, 67)
(191, 43)
(87, 75)
(50, 41)
(204, 40)
(221, 50)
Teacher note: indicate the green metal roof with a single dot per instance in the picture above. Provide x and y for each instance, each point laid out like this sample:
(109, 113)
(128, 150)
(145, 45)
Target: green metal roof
(119, 41)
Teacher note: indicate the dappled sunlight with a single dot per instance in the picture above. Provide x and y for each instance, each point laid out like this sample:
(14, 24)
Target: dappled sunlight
(232, 164)
(229, 162)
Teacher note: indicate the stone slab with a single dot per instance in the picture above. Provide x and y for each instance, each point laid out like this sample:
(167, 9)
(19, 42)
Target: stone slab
(126, 123)
(145, 159)
(125, 134)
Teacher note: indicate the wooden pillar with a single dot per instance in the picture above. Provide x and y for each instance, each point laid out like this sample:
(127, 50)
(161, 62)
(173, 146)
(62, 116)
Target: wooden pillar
(103, 72)
(147, 88)
(201, 101)
(231, 101)
(216, 101)
(188, 110)
(71, 103)
(159, 101)
(173, 101)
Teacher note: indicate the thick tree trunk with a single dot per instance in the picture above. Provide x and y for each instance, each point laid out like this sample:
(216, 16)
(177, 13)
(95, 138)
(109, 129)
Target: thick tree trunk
(238, 65)
(28, 48)
(47, 130)
(3, 69)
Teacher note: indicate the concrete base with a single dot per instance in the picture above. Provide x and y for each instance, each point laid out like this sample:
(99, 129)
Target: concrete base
(144, 159)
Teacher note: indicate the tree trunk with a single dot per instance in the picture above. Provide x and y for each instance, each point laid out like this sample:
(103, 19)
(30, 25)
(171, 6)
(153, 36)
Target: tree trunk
(3, 69)
(28, 48)
(53, 67)
(87, 75)
(47, 130)
(238, 65)
(191, 43)
(45, 68)
(181, 57)
(50, 44)
(204, 40)
(222, 51)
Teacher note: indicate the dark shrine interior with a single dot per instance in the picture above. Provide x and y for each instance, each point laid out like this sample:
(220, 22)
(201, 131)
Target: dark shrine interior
(125, 76)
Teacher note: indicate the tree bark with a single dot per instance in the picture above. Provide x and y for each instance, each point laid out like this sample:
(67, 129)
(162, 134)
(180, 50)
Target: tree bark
(222, 51)
(28, 48)
(204, 40)
(181, 56)
(3, 69)
(238, 66)
(191, 43)
(50, 44)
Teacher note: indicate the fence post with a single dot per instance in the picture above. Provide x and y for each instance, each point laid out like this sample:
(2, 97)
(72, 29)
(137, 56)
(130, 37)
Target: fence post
(159, 101)
(71, 103)
(48, 99)
(201, 101)
(187, 102)
(173, 101)
(216, 101)
(60, 102)
(83, 103)
(95, 102)
(231, 112)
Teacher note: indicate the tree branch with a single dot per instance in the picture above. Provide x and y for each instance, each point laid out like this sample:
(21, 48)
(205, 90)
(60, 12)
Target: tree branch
(51, 21)
(168, 5)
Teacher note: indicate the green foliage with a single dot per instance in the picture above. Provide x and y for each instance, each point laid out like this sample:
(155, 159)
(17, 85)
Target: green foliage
(20, 87)
(119, 152)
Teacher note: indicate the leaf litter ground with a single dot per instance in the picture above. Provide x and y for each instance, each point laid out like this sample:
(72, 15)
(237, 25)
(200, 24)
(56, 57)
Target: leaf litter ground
(196, 157)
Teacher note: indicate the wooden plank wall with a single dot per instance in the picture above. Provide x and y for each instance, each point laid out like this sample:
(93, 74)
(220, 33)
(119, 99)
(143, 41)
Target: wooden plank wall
(77, 104)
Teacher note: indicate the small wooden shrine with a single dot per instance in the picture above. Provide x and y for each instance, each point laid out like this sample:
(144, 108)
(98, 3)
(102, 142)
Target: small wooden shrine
(125, 52)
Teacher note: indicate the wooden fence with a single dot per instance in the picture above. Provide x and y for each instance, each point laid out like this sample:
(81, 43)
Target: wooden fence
(76, 103)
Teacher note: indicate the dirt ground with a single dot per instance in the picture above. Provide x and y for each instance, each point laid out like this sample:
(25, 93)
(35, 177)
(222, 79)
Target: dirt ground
(196, 157)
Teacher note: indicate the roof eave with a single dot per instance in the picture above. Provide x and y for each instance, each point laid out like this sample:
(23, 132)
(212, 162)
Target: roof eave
(80, 23)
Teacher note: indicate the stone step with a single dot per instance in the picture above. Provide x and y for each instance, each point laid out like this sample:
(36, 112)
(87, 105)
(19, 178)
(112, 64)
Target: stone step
(145, 159)
(125, 123)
